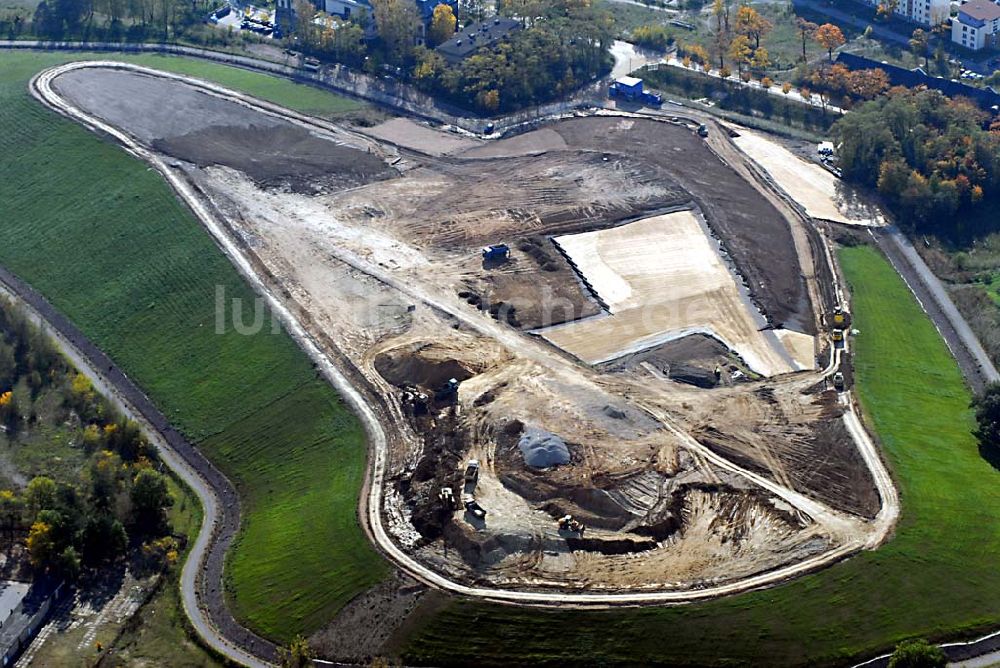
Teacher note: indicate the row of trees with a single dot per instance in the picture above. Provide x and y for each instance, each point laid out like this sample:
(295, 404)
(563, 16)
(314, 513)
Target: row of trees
(928, 155)
(117, 19)
(564, 44)
(87, 517)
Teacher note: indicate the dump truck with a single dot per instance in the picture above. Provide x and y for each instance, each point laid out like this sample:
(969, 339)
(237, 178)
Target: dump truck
(838, 381)
(472, 471)
(472, 506)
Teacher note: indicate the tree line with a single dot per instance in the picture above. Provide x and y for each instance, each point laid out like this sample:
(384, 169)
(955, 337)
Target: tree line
(929, 156)
(115, 501)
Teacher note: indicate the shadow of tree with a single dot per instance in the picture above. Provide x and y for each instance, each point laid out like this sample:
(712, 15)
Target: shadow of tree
(991, 454)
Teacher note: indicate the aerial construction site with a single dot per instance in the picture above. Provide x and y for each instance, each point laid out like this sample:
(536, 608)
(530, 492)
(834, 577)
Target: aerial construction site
(600, 357)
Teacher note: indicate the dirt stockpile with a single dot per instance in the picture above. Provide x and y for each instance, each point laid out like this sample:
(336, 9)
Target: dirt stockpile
(283, 156)
(751, 229)
(207, 130)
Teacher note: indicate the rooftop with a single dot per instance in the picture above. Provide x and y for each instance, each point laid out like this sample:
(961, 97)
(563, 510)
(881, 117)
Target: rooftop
(474, 37)
(981, 10)
(628, 82)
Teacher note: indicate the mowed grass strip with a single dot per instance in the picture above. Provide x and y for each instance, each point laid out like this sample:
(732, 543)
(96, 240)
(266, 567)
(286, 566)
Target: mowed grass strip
(936, 577)
(104, 238)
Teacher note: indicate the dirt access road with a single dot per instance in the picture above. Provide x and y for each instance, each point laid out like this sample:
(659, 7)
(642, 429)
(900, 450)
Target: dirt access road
(373, 424)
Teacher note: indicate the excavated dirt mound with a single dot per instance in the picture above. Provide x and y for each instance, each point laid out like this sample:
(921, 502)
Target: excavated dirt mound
(208, 130)
(283, 156)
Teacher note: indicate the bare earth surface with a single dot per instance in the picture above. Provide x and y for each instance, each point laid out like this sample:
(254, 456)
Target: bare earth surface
(818, 191)
(681, 485)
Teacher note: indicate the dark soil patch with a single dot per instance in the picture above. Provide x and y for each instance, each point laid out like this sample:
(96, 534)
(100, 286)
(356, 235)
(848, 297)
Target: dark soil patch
(285, 156)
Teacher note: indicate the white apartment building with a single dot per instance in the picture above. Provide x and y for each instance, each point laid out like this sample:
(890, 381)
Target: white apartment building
(924, 12)
(977, 25)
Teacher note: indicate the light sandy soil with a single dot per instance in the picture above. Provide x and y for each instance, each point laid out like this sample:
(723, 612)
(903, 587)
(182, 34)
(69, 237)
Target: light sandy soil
(664, 278)
(681, 488)
(819, 192)
(411, 134)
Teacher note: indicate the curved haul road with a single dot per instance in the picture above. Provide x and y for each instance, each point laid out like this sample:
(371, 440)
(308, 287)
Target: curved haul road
(218, 629)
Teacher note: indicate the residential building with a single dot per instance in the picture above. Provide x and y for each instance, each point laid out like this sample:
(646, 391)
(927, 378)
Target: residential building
(924, 12)
(476, 36)
(977, 25)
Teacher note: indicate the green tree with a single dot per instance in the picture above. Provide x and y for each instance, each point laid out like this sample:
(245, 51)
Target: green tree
(987, 405)
(40, 494)
(150, 499)
(103, 539)
(917, 654)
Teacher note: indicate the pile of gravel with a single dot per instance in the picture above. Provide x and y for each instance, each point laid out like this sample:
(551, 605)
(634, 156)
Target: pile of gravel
(542, 449)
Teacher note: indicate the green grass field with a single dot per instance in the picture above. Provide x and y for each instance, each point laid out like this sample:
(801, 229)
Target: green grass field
(106, 241)
(936, 577)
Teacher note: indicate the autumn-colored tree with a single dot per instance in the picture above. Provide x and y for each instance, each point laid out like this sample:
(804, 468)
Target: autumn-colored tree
(830, 37)
(443, 23)
(749, 22)
(725, 72)
(869, 84)
(698, 54)
(489, 100)
(740, 52)
(919, 43)
(41, 545)
(761, 59)
(886, 8)
(298, 654)
(786, 88)
(806, 31)
(766, 83)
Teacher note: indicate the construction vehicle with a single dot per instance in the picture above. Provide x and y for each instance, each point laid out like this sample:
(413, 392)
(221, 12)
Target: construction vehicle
(702, 130)
(448, 391)
(496, 253)
(472, 506)
(838, 335)
(567, 523)
(839, 319)
(472, 471)
(447, 497)
(838, 381)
